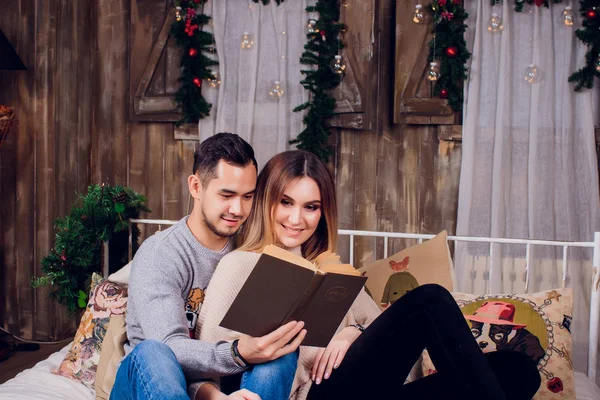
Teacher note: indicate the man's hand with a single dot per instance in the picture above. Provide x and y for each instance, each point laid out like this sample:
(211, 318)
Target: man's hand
(330, 358)
(243, 395)
(209, 391)
(274, 345)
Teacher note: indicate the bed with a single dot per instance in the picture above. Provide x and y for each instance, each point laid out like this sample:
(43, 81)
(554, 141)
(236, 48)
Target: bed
(39, 383)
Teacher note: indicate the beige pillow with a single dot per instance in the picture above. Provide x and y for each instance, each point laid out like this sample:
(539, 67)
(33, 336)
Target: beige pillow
(110, 357)
(122, 275)
(428, 262)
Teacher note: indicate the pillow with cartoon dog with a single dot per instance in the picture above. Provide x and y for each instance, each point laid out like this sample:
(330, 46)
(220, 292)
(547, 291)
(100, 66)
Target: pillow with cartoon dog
(537, 324)
(428, 262)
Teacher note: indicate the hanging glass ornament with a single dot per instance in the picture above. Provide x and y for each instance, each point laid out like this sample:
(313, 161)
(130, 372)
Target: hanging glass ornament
(310, 27)
(495, 23)
(531, 74)
(434, 72)
(247, 41)
(178, 13)
(338, 65)
(276, 90)
(419, 15)
(568, 16)
(215, 80)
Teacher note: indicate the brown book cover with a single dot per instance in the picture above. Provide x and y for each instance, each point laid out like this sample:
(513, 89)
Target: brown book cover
(284, 286)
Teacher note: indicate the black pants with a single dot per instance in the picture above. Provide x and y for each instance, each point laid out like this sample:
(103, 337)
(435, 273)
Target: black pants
(377, 364)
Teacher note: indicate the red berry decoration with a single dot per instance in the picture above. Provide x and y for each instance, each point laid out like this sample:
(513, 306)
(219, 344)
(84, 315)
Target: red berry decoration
(555, 385)
(197, 81)
(451, 51)
(444, 93)
(192, 52)
(591, 14)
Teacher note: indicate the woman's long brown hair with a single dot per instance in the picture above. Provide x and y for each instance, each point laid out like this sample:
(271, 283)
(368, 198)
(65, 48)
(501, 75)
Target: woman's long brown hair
(278, 173)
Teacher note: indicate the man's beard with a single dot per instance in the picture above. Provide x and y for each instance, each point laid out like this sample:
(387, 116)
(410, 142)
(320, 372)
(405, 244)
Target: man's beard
(216, 230)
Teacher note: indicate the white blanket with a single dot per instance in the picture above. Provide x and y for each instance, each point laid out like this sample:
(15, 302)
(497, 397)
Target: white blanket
(38, 383)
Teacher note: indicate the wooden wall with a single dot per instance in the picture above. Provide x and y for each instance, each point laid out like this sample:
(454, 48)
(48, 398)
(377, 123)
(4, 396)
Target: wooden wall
(74, 129)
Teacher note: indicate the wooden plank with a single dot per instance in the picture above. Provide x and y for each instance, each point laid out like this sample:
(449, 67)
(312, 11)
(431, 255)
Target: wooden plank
(186, 132)
(46, 88)
(173, 177)
(410, 55)
(354, 92)
(9, 96)
(155, 171)
(426, 106)
(138, 152)
(26, 159)
(345, 185)
(450, 132)
(110, 140)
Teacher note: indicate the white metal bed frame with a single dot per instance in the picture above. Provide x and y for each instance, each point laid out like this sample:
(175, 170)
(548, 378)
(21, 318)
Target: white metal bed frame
(594, 325)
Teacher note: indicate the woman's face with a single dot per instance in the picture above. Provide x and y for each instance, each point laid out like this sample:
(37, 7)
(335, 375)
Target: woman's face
(298, 212)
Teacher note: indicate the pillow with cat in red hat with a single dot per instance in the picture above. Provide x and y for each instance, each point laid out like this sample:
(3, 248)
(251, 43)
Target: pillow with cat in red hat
(536, 324)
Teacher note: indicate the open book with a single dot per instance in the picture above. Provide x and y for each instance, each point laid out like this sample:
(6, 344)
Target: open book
(285, 287)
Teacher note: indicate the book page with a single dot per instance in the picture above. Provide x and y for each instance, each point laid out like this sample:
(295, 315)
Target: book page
(278, 252)
(344, 269)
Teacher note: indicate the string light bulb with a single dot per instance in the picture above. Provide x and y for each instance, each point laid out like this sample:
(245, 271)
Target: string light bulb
(434, 72)
(418, 16)
(310, 27)
(277, 90)
(568, 16)
(495, 23)
(214, 80)
(338, 65)
(247, 41)
(531, 74)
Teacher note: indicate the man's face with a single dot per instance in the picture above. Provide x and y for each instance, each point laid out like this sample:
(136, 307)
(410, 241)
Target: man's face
(226, 200)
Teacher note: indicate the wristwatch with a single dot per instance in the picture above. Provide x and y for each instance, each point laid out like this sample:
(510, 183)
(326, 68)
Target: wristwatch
(237, 357)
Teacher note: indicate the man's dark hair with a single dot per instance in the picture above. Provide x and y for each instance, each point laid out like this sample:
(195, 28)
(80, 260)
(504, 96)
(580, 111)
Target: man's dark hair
(225, 146)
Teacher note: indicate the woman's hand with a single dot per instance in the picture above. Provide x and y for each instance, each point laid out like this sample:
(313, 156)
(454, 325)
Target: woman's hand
(331, 357)
(209, 391)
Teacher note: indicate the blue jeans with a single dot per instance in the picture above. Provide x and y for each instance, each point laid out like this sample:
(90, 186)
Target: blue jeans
(151, 371)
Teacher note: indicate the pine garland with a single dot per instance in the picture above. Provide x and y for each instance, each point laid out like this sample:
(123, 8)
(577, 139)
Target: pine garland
(94, 218)
(188, 33)
(449, 46)
(590, 36)
(519, 4)
(319, 52)
(265, 2)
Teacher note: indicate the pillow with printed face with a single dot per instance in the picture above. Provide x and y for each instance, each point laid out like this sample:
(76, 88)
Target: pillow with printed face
(391, 278)
(106, 298)
(536, 324)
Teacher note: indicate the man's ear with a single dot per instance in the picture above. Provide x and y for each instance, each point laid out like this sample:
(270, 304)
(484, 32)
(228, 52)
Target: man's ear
(195, 186)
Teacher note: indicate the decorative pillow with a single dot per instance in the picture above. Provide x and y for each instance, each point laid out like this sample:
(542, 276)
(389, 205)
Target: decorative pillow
(110, 357)
(537, 324)
(106, 298)
(428, 262)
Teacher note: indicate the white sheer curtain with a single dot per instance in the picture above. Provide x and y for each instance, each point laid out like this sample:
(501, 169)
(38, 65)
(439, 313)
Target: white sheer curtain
(242, 104)
(529, 167)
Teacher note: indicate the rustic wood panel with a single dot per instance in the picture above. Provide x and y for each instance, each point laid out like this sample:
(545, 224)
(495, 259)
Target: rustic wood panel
(74, 129)
(9, 96)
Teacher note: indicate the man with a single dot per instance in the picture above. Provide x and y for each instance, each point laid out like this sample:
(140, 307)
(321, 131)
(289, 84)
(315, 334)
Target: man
(169, 274)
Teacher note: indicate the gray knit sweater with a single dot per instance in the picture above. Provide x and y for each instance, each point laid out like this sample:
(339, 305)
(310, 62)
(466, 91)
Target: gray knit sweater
(169, 274)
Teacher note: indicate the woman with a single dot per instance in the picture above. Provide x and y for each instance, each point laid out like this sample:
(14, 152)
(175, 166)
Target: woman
(370, 355)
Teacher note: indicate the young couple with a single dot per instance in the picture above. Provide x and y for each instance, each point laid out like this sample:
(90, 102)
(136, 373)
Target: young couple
(176, 349)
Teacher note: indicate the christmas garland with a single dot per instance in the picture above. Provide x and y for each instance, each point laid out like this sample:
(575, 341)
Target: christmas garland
(519, 4)
(94, 218)
(589, 35)
(319, 52)
(449, 46)
(188, 33)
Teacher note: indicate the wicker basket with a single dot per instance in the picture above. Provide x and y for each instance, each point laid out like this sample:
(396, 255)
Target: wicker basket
(7, 116)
